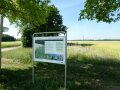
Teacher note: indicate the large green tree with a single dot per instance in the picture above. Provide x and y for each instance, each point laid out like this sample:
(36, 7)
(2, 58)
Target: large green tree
(53, 23)
(101, 10)
(22, 12)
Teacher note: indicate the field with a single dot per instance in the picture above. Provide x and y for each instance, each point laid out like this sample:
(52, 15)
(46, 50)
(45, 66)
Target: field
(91, 65)
(11, 44)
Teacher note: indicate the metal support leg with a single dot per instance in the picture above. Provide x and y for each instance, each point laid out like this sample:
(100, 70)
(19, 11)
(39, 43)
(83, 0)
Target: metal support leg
(33, 75)
(65, 76)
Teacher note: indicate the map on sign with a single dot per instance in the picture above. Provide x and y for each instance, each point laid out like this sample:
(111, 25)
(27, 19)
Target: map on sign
(49, 49)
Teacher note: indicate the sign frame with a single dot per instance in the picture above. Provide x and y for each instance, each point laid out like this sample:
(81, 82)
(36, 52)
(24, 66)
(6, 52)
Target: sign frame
(64, 62)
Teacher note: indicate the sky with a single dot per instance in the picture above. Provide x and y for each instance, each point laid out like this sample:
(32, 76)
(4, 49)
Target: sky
(84, 29)
(13, 31)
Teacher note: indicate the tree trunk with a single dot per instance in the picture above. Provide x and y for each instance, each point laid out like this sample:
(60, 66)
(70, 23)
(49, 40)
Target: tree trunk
(1, 28)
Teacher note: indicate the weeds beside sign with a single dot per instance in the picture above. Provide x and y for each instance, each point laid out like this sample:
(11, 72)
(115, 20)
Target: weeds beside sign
(49, 49)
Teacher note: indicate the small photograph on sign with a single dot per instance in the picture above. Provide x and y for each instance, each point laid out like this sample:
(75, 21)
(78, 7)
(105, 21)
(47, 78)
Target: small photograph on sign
(50, 50)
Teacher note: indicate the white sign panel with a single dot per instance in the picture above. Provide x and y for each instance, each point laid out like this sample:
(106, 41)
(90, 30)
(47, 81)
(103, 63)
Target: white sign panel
(49, 49)
(54, 47)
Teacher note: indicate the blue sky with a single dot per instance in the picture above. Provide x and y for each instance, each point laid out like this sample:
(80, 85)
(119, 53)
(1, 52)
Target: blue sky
(70, 9)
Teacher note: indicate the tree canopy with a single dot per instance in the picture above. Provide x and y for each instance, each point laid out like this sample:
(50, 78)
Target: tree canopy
(20, 12)
(53, 23)
(101, 10)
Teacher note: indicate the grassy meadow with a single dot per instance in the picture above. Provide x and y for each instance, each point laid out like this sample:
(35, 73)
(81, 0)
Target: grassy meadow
(91, 65)
(11, 44)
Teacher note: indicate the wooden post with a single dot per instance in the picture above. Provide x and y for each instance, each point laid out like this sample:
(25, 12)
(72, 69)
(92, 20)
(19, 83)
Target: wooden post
(1, 29)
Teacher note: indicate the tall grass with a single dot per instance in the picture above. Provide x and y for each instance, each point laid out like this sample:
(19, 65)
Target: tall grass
(23, 55)
(89, 67)
(11, 44)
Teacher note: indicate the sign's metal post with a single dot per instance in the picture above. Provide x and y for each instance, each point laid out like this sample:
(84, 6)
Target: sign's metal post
(65, 63)
(33, 81)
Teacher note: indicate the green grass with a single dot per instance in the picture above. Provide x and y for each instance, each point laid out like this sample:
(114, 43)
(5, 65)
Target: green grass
(11, 44)
(22, 55)
(90, 66)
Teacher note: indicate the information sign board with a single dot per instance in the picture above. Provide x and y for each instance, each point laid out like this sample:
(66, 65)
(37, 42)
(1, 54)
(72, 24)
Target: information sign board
(49, 49)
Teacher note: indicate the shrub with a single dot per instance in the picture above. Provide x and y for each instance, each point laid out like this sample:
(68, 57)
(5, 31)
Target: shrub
(27, 37)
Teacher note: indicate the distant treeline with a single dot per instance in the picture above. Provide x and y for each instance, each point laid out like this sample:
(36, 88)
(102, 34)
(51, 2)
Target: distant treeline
(97, 40)
(6, 37)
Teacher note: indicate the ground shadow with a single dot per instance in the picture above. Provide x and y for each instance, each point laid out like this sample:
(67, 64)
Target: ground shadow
(93, 73)
(83, 73)
(15, 79)
(77, 44)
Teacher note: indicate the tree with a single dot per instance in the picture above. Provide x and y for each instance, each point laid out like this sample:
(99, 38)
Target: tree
(101, 10)
(53, 23)
(20, 12)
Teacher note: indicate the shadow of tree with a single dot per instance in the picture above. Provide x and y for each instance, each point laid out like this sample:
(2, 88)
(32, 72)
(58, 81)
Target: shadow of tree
(83, 73)
(93, 73)
(15, 79)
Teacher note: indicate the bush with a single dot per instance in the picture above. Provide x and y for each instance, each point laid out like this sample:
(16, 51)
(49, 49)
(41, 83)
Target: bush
(27, 37)
(6, 37)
